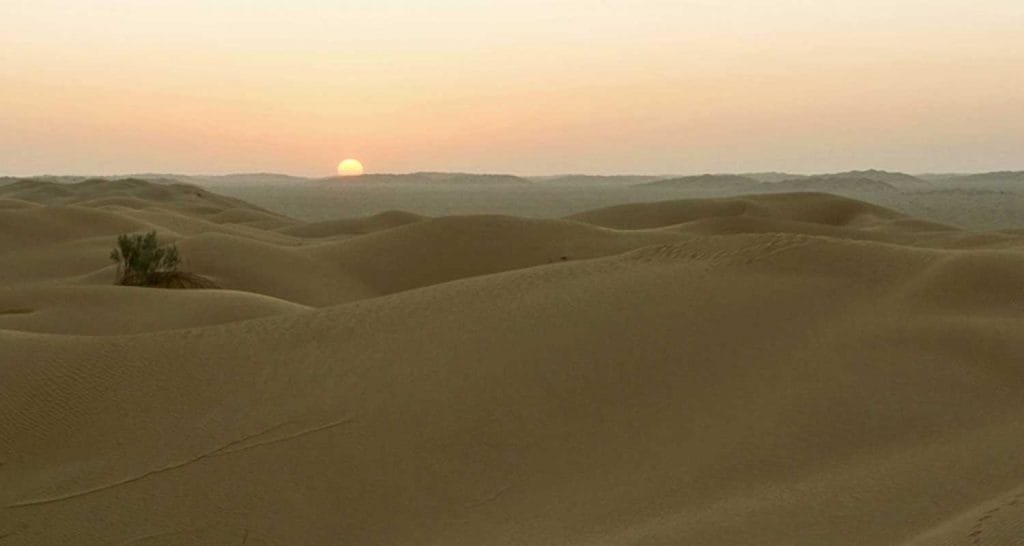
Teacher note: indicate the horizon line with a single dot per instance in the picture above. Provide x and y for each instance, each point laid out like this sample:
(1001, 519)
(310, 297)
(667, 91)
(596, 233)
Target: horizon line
(524, 176)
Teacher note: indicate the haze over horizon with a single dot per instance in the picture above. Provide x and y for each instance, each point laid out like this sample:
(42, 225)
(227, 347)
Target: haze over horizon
(102, 87)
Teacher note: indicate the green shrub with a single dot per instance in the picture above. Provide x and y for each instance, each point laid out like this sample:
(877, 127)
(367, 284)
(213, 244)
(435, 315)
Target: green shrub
(141, 261)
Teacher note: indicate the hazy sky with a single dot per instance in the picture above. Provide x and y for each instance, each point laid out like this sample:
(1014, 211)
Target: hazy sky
(525, 86)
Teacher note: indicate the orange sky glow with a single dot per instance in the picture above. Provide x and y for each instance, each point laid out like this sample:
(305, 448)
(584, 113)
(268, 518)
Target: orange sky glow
(525, 87)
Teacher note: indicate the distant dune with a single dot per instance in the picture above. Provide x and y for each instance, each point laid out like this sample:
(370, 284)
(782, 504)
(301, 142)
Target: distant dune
(1011, 178)
(852, 181)
(706, 182)
(772, 176)
(900, 181)
(246, 178)
(131, 192)
(586, 179)
(834, 183)
(743, 184)
(813, 208)
(352, 226)
(433, 178)
(275, 179)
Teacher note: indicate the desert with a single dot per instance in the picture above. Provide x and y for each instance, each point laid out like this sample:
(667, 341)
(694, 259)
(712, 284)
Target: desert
(773, 368)
(512, 273)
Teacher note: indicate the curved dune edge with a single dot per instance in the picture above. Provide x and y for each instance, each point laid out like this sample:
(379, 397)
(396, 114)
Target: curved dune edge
(112, 310)
(779, 370)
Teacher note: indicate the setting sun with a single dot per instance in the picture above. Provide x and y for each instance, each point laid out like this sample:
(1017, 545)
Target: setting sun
(350, 167)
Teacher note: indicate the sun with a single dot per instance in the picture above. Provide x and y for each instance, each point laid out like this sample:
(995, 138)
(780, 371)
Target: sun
(350, 167)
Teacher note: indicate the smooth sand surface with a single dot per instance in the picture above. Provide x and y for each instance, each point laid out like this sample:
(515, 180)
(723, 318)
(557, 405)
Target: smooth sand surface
(799, 369)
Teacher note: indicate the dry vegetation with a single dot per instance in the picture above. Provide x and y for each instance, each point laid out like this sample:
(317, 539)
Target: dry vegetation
(142, 261)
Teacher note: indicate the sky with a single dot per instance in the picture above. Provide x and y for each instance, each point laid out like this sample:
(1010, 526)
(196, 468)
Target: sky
(524, 87)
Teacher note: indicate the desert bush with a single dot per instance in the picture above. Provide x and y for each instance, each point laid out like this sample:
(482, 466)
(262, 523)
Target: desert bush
(141, 261)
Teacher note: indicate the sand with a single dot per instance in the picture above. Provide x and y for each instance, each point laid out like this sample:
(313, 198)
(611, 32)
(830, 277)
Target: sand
(992, 201)
(769, 369)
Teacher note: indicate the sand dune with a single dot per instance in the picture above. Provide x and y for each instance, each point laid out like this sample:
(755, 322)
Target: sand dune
(109, 310)
(16, 204)
(815, 208)
(31, 227)
(707, 182)
(131, 193)
(892, 180)
(776, 369)
(440, 178)
(851, 181)
(352, 226)
(138, 190)
(834, 183)
(445, 249)
(1007, 179)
